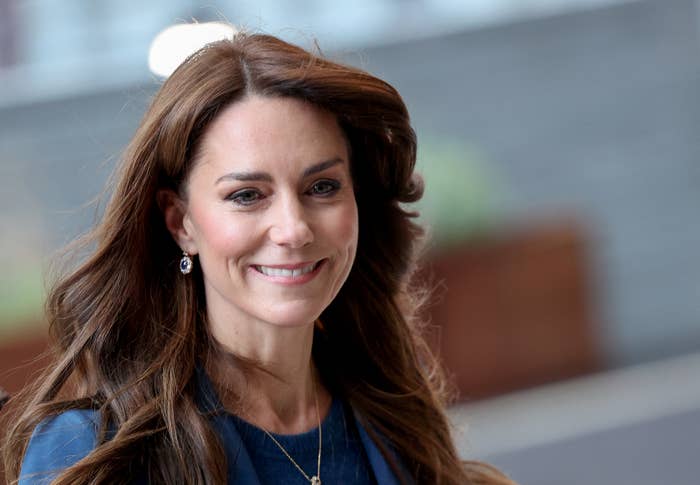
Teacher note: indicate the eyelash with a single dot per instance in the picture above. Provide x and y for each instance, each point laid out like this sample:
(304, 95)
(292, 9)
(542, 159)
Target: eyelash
(334, 186)
(238, 196)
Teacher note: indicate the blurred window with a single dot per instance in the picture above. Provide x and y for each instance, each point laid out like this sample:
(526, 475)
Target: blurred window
(53, 41)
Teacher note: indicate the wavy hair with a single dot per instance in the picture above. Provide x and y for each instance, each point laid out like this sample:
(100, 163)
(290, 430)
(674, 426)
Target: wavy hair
(129, 330)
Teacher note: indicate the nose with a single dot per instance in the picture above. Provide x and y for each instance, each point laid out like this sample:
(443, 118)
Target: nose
(290, 226)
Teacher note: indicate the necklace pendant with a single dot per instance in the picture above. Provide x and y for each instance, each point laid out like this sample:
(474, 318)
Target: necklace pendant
(315, 480)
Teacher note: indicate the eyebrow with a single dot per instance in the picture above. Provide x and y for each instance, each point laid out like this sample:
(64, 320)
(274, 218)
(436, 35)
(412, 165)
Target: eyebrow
(266, 177)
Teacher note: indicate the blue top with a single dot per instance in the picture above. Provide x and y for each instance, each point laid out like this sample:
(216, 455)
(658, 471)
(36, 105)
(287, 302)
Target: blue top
(61, 441)
(343, 459)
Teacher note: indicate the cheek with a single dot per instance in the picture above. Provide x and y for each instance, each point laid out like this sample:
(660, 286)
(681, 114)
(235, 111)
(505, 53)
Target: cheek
(217, 235)
(346, 228)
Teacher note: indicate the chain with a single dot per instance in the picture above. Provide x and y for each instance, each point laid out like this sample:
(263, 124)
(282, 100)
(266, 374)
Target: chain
(316, 479)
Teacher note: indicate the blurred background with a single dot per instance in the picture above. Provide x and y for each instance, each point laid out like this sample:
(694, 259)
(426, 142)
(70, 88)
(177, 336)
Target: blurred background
(559, 140)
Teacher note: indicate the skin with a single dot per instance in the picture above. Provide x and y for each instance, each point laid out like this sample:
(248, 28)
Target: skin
(270, 188)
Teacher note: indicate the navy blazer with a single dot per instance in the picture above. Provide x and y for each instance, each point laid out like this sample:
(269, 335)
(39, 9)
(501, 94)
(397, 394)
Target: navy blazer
(61, 441)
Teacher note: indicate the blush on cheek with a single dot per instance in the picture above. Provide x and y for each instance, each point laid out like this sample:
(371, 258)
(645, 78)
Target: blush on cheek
(224, 234)
(349, 226)
(347, 232)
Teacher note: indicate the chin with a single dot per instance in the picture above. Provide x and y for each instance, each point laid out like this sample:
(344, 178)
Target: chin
(290, 322)
(292, 316)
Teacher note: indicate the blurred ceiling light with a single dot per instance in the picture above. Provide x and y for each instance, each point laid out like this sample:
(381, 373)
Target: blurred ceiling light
(172, 45)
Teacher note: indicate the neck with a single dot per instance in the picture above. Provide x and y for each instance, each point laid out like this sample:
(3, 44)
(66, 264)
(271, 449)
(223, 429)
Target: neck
(278, 391)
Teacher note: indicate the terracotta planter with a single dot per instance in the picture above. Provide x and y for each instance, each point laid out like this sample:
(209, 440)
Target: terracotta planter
(514, 310)
(21, 358)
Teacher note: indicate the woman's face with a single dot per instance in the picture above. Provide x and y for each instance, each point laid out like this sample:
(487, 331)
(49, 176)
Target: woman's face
(271, 212)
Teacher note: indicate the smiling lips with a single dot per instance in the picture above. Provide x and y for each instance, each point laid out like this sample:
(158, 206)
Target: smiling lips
(296, 273)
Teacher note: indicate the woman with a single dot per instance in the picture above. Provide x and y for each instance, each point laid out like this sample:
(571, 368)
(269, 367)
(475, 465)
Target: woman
(244, 315)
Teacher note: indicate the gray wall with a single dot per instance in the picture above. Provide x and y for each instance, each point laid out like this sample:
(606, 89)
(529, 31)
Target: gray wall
(593, 114)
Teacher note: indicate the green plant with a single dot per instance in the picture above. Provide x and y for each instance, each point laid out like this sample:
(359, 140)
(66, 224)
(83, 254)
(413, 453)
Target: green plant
(461, 197)
(21, 295)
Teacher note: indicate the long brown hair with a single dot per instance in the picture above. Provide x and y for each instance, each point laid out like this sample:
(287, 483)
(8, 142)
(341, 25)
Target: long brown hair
(129, 329)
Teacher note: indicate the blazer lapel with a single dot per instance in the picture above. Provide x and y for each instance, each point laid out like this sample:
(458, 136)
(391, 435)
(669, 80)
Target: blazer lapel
(240, 466)
(381, 468)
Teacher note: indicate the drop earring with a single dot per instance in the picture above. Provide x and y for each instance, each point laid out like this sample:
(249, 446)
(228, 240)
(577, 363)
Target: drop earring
(185, 263)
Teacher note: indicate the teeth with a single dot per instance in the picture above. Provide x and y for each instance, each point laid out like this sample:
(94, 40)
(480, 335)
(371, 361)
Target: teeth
(287, 273)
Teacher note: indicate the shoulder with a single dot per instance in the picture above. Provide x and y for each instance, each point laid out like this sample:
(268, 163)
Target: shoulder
(57, 443)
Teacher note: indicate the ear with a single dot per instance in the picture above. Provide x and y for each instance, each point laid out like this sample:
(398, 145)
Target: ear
(174, 212)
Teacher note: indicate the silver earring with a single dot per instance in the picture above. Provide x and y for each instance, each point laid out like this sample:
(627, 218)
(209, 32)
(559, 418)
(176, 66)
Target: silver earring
(185, 263)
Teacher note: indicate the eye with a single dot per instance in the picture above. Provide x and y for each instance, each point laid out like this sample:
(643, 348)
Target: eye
(245, 197)
(324, 187)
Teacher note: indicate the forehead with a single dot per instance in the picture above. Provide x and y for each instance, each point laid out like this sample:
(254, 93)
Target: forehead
(264, 132)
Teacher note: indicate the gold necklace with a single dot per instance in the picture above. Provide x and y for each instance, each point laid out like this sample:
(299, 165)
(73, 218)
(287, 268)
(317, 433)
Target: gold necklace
(316, 479)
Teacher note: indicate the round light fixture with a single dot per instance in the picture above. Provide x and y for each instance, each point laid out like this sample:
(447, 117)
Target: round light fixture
(172, 45)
